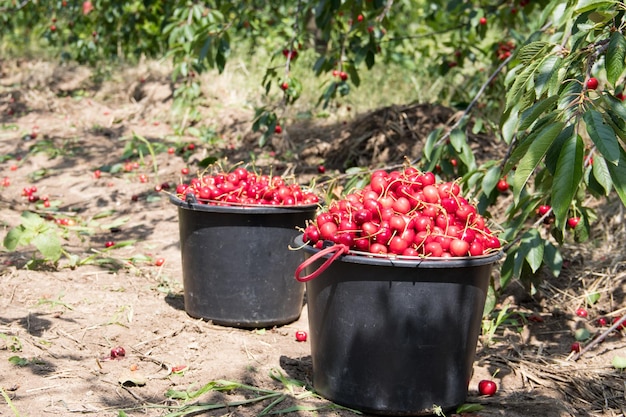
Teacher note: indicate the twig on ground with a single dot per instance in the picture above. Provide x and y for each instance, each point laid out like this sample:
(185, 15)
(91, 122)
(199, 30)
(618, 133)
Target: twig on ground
(599, 339)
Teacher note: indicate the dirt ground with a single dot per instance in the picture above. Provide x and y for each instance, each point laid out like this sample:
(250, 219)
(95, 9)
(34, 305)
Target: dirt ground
(58, 325)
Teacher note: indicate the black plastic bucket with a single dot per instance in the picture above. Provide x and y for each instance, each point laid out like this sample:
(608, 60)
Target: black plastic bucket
(395, 337)
(237, 265)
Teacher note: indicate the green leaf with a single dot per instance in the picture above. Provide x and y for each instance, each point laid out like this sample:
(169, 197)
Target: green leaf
(616, 106)
(554, 152)
(457, 139)
(532, 245)
(469, 408)
(12, 239)
(568, 98)
(522, 83)
(602, 135)
(529, 52)
(602, 174)
(569, 172)
(587, 5)
(618, 362)
(552, 258)
(103, 214)
(525, 142)
(32, 220)
(509, 127)
(507, 269)
(547, 73)
(431, 140)
(491, 178)
(491, 301)
(530, 115)
(116, 223)
(49, 245)
(618, 175)
(18, 361)
(535, 154)
(593, 298)
(615, 57)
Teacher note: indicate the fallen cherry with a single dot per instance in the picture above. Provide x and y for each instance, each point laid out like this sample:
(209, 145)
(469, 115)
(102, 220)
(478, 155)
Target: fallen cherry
(581, 312)
(159, 261)
(602, 321)
(487, 387)
(301, 336)
(109, 243)
(178, 369)
(118, 352)
(575, 347)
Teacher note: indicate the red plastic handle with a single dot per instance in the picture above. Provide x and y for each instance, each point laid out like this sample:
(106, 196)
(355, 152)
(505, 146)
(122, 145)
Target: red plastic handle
(338, 249)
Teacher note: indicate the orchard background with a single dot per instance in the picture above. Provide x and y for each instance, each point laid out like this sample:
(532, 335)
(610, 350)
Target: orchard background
(520, 101)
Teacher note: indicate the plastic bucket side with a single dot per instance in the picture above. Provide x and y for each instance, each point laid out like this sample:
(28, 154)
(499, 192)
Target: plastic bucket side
(396, 340)
(237, 266)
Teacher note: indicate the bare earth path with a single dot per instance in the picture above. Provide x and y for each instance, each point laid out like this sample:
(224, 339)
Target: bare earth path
(58, 325)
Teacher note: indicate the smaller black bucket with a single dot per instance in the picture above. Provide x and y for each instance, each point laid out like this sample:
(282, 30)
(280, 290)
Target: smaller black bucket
(395, 337)
(237, 265)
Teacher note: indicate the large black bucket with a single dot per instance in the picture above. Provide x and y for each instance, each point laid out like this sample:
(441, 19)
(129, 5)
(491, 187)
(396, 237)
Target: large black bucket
(237, 265)
(395, 337)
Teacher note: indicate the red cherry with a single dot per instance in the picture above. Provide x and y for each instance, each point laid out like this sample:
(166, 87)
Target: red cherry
(118, 352)
(621, 326)
(502, 185)
(543, 210)
(87, 7)
(343, 76)
(278, 129)
(602, 321)
(581, 312)
(487, 387)
(301, 336)
(572, 222)
(108, 244)
(159, 261)
(483, 21)
(184, 171)
(575, 347)
(592, 83)
(284, 86)
(321, 169)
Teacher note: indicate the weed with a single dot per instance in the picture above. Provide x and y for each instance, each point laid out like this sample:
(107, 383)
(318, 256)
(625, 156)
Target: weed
(54, 303)
(12, 343)
(9, 402)
(292, 388)
(491, 325)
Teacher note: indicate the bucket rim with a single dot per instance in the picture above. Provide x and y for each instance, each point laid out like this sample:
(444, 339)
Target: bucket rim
(399, 261)
(242, 209)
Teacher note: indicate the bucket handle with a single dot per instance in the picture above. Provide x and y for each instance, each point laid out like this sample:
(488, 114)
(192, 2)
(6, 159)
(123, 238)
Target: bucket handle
(338, 250)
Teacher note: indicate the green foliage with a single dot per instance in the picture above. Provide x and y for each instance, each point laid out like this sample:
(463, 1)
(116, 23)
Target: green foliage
(34, 230)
